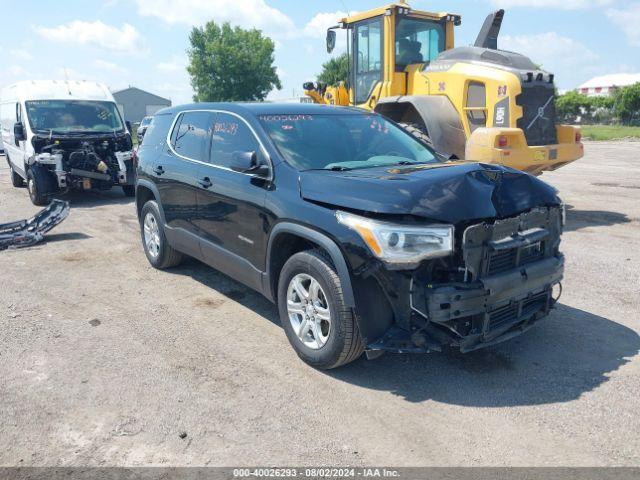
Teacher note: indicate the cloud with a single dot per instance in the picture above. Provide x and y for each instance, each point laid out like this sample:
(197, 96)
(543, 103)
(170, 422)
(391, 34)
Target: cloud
(552, 4)
(627, 19)
(95, 33)
(245, 13)
(317, 26)
(109, 66)
(21, 54)
(177, 92)
(17, 71)
(173, 65)
(570, 60)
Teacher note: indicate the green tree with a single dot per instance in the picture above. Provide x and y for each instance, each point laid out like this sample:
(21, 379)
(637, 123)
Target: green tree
(573, 104)
(231, 64)
(334, 71)
(627, 103)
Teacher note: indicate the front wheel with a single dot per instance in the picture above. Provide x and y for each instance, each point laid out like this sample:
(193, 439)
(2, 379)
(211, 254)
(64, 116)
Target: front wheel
(40, 183)
(319, 325)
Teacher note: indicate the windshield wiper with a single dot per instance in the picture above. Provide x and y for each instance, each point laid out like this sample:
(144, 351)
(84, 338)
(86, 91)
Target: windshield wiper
(338, 168)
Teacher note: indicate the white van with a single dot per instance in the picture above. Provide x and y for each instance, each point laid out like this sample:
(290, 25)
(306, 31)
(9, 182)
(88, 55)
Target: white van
(61, 135)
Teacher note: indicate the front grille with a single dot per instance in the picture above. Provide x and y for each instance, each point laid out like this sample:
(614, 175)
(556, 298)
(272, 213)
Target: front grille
(531, 253)
(504, 260)
(538, 121)
(521, 310)
(493, 248)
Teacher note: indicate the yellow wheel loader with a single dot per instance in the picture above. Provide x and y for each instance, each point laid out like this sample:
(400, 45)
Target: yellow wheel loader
(477, 103)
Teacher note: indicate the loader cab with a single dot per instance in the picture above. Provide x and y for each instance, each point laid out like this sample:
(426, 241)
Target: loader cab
(384, 44)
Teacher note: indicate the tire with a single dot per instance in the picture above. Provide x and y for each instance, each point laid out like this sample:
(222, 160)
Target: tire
(41, 185)
(162, 255)
(343, 343)
(16, 180)
(418, 131)
(129, 190)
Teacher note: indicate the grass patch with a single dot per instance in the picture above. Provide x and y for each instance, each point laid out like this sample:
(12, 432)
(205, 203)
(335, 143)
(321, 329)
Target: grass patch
(609, 132)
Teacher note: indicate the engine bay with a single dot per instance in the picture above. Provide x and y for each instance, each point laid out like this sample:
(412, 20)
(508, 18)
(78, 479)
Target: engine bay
(86, 161)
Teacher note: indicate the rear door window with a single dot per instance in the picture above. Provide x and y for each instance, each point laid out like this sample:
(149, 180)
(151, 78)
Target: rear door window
(191, 133)
(230, 135)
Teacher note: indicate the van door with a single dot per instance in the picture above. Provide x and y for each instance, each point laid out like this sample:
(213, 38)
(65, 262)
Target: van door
(16, 149)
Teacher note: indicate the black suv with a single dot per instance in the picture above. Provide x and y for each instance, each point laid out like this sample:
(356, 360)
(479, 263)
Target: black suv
(364, 237)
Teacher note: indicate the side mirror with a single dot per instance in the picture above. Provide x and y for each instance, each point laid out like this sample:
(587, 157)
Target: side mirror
(128, 125)
(18, 132)
(247, 162)
(331, 40)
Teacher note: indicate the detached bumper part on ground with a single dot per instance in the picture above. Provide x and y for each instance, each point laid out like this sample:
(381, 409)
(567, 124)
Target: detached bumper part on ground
(25, 233)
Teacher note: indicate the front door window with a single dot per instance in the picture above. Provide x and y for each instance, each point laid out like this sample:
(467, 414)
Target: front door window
(368, 48)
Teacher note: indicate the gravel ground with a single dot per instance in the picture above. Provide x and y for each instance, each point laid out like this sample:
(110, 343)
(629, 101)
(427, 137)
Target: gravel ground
(106, 361)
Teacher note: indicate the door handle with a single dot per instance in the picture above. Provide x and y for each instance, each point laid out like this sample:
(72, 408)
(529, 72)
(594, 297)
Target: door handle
(205, 182)
(159, 170)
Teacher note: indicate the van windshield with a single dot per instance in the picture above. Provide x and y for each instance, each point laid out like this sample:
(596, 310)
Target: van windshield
(73, 116)
(343, 142)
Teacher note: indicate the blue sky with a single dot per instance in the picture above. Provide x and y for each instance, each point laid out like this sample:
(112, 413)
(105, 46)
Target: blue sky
(143, 42)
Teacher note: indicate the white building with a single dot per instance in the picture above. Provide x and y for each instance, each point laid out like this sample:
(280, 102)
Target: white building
(606, 85)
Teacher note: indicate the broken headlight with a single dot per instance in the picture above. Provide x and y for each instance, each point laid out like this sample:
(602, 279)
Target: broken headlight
(401, 244)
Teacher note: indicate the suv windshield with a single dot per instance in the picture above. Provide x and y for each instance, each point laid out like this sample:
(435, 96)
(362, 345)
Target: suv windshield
(65, 116)
(343, 142)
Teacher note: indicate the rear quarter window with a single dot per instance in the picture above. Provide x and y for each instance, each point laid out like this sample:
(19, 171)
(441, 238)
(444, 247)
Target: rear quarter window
(191, 134)
(156, 133)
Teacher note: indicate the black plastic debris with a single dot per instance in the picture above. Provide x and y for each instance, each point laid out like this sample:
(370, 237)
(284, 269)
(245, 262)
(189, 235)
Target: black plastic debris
(25, 233)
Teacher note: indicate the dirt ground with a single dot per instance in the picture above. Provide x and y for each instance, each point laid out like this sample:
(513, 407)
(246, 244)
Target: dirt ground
(106, 361)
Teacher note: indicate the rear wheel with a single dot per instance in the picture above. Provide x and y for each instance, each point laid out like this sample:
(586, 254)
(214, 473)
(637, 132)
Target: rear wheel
(319, 325)
(156, 247)
(418, 131)
(40, 183)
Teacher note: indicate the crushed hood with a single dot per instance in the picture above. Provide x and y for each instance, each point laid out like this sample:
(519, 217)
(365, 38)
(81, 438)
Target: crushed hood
(445, 192)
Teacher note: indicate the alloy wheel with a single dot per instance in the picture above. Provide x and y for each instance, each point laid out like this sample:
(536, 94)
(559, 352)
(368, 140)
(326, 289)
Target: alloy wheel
(151, 235)
(309, 311)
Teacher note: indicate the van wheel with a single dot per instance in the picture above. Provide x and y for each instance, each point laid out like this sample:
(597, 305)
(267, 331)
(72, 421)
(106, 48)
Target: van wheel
(129, 190)
(418, 131)
(158, 251)
(40, 184)
(319, 325)
(16, 180)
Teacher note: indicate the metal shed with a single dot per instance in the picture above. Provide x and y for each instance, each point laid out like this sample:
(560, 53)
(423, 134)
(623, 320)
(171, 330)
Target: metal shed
(134, 103)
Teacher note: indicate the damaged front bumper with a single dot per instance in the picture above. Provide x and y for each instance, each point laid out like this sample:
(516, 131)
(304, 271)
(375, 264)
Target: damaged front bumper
(497, 307)
(510, 270)
(25, 233)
